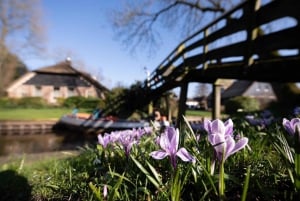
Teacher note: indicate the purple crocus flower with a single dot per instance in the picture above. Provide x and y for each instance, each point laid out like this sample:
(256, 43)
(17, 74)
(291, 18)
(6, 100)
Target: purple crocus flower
(296, 111)
(291, 125)
(104, 140)
(217, 126)
(127, 139)
(221, 138)
(148, 129)
(140, 132)
(169, 141)
(261, 122)
(105, 191)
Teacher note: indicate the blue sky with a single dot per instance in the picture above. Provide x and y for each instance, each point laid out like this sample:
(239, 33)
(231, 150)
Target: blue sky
(81, 28)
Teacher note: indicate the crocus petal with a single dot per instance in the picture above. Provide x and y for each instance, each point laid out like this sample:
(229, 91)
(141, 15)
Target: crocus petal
(290, 126)
(104, 140)
(229, 147)
(164, 142)
(207, 125)
(100, 139)
(105, 191)
(173, 138)
(184, 155)
(239, 145)
(128, 147)
(216, 140)
(159, 154)
(148, 129)
(175, 143)
(228, 127)
(287, 125)
(295, 122)
(217, 127)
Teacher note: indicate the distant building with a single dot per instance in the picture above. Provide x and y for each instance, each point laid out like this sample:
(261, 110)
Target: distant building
(58, 81)
(204, 102)
(192, 104)
(262, 91)
(198, 103)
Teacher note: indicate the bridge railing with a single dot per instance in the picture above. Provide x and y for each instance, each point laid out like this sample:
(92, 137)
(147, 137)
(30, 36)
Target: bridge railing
(240, 35)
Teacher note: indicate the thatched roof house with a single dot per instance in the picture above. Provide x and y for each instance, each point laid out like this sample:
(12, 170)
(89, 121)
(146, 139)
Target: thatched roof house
(58, 81)
(262, 91)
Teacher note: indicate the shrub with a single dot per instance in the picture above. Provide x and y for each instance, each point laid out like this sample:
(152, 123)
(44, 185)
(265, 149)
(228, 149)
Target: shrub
(60, 101)
(31, 102)
(82, 102)
(74, 101)
(244, 103)
(25, 102)
(92, 103)
(8, 102)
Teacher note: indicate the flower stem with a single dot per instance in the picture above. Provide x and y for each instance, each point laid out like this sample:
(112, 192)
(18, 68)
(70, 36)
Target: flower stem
(176, 186)
(297, 171)
(297, 159)
(221, 181)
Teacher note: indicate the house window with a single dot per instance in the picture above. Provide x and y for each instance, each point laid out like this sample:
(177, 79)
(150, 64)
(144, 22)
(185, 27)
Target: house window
(266, 89)
(38, 91)
(71, 91)
(56, 92)
(90, 93)
(23, 92)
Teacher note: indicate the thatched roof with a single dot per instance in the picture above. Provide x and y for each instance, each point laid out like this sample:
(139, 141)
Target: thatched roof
(63, 74)
(57, 80)
(237, 88)
(59, 68)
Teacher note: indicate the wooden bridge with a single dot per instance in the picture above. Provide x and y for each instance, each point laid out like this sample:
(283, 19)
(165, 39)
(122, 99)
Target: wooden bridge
(250, 42)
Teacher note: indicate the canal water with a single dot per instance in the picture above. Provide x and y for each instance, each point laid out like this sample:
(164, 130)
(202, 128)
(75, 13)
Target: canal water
(46, 142)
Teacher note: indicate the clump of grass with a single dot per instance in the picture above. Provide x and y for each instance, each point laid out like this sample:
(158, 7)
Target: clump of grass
(112, 172)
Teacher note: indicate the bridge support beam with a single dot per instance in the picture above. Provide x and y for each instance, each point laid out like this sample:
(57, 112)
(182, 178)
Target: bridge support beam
(150, 108)
(182, 103)
(216, 110)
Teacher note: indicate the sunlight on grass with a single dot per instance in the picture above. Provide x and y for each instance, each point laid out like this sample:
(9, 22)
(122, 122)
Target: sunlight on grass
(33, 114)
(123, 169)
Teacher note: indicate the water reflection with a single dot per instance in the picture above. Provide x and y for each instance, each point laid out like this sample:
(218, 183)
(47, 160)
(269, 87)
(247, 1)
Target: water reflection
(37, 143)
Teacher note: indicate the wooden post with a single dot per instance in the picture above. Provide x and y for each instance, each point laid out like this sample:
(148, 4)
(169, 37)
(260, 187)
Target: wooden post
(182, 103)
(252, 31)
(205, 49)
(216, 110)
(150, 108)
(168, 106)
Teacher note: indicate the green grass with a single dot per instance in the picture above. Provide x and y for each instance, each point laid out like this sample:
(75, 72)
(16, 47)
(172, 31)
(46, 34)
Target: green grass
(202, 113)
(56, 113)
(198, 113)
(33, 114)
(140, 177)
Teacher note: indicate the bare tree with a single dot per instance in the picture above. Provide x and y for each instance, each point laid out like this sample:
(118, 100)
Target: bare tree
(61, 54)
(202, 90)
(21, 31)
(140, 23)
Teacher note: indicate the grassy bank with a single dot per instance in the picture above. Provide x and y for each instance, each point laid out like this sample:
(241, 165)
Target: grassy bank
(260, 171)
(198, 113)
(56, 113)
(34, 114)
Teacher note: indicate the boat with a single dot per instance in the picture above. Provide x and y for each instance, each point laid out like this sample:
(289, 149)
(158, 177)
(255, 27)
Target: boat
(84, 123)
